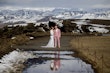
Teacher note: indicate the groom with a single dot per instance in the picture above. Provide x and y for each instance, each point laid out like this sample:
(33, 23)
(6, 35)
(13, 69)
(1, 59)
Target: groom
(57, 35)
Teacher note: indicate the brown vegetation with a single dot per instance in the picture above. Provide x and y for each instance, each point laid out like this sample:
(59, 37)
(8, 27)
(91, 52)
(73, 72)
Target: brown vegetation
(99, 21)
(6, 44)
(94, 49)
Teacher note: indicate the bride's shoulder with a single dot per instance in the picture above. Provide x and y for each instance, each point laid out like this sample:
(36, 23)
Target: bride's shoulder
(51, 30)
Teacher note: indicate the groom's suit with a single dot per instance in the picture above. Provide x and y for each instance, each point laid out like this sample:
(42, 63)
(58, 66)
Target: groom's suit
(57, 35)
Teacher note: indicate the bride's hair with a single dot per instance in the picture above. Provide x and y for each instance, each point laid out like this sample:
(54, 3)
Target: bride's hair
(51, 24)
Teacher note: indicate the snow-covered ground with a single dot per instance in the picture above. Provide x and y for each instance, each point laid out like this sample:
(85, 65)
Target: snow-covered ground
(8, 62)
(80, 22)
(33, 15)
(98, 29)
(43, 15)
(93, 28)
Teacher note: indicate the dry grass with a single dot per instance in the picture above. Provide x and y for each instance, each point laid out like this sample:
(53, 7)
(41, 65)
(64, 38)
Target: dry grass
(6, 44)
(95, 49)
(100, 21)
(20, 39)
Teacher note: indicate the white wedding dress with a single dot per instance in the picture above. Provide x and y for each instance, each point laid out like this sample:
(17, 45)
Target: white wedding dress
(51, 40)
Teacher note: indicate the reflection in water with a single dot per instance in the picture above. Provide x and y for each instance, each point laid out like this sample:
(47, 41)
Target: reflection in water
(55, 64)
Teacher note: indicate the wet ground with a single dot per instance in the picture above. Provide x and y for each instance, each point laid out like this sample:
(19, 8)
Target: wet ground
(53, 60)
(56, 62)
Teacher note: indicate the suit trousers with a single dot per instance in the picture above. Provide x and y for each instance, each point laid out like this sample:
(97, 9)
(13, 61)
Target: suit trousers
(57, 41)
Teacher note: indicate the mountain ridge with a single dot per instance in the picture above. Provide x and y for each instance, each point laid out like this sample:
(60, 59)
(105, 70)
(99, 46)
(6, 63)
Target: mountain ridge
(11, 15)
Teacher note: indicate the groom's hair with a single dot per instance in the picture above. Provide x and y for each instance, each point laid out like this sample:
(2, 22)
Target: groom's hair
(51, 24)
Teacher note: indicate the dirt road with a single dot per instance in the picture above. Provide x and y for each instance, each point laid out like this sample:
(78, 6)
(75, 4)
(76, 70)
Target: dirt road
(42, 41)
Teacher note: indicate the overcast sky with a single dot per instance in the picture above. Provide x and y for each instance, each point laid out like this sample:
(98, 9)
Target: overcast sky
(56, 3)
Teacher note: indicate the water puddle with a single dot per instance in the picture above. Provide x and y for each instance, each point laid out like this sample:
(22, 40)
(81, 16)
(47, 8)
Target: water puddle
(105, 34)
(56, 62)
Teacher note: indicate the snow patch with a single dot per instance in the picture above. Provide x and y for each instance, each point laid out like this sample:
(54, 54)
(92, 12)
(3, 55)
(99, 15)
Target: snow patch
(80, 22)
(99, 25)
(31, 38)
(8, 61)
(98, 29)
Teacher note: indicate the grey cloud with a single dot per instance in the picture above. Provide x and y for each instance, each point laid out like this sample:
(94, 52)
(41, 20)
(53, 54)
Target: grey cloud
(106, 2)
(53, 3)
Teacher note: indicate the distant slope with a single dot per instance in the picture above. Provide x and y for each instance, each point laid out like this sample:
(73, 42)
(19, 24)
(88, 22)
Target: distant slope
(32, 15)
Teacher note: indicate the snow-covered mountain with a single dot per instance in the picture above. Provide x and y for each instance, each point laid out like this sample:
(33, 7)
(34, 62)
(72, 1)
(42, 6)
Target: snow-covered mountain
(34, 15)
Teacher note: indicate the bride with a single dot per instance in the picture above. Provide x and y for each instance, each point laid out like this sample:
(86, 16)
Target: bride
(51, 41)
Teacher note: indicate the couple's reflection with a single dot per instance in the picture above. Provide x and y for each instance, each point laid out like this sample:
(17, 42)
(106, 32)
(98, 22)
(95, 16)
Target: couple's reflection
(55, 64)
